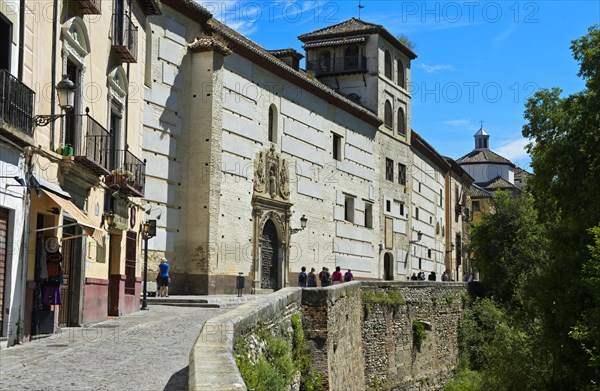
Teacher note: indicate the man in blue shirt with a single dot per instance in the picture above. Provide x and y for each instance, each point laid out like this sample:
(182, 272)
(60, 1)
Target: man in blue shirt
(164, 278)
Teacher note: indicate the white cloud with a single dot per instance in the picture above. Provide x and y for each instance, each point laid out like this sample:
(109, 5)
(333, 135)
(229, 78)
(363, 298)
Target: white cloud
(435, 68)
(457, 122)
(513, 150)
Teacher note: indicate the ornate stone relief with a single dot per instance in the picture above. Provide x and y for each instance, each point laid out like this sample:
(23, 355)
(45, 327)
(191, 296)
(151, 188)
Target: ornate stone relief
(271, 176)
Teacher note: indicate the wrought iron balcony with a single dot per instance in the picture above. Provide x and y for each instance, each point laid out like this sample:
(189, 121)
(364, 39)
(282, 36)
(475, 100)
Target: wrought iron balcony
(91, 7)
(124, 38)
(335, 66)
(95, 153)
(16, 105)
(129, 174)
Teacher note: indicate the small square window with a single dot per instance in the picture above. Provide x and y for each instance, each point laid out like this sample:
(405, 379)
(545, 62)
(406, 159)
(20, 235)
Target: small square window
(401, 174)
(349, 208)
(369, 215)
(388, 206)
(429, 253)
(389, 169)
(337, 146)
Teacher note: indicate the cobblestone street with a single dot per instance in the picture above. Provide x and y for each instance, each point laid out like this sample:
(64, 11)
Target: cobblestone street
(147, 350)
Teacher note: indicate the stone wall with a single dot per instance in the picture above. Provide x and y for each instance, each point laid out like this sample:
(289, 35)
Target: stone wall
(392, 361)
(355, 345)
(212, 365)
(332, 324)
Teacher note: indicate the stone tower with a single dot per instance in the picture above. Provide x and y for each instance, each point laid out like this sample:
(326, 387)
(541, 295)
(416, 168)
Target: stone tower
(368, 65)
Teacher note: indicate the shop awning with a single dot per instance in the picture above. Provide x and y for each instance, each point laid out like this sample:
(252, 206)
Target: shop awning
(70, 210)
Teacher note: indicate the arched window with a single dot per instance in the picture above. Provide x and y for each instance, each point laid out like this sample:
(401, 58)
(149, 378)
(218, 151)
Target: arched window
(324, 62)
(388, 117)
(401, 77)
(351, 58)
(388, 64)
(272, 124)
(401, 122)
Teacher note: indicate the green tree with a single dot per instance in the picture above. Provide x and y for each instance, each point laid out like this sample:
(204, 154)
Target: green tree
(565, 153)
(510, 247)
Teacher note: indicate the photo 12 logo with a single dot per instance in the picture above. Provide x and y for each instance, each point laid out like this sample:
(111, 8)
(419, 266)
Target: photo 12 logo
(468, 12)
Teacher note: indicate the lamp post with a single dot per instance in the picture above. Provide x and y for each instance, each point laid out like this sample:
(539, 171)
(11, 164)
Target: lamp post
(303, 221)
(65, 90)
(148, 231)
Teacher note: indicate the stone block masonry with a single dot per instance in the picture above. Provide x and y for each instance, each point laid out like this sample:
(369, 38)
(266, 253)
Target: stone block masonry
(360, 333)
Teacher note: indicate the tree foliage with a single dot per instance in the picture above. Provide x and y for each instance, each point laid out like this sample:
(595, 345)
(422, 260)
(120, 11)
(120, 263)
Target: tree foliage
(565, 153)
(542, 329)
(510, 247)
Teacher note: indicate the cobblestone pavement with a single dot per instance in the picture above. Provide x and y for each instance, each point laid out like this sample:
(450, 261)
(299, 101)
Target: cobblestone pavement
(146, 350)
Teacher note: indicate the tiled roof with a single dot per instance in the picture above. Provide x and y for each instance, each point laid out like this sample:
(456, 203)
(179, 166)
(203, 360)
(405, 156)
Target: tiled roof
(237, 39)
(350, 26)
(207, 43)
(476, 191)
(481, 132)
(353, 27)
(483, 156)
(497, 183)
(335, 42)
(286, 52)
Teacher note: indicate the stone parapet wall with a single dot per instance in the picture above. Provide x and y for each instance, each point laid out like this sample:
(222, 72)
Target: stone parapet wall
(212, 364)
(355, 344)
(392, 361)
(332, 323)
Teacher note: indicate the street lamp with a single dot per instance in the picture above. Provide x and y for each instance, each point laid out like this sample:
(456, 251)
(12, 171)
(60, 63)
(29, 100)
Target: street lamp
(65, 90)
(148, 231)
(419, 236)
(303, 221)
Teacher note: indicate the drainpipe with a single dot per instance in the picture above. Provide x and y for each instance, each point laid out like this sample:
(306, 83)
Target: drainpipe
(24, 252)
(53, 80)
(21, 38)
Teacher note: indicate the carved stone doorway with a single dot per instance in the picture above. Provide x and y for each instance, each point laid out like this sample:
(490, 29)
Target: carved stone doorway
(271, 216)
(269, 249)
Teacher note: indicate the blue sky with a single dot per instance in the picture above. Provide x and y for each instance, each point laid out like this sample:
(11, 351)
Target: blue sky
(477, 60)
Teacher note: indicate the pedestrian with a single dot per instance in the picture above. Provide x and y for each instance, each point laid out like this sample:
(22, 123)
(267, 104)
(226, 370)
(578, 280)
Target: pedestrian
(471, 278)
(312, 278)
(164, 278)
(337, 276)
(324, 276)
(421, 276)
(445, 276)
(431, 276)
(157, 293)
(348, 276)
(413, 277)
(302, 277)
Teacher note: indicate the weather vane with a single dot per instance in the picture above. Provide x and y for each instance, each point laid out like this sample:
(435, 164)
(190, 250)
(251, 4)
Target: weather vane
(360, 6)
(481, 122)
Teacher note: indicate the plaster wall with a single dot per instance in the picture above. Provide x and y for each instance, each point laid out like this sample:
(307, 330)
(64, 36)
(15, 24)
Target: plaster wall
(428, 189)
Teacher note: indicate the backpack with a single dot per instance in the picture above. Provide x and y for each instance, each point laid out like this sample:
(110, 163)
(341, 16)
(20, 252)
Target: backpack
(347, 277)
(302, 277)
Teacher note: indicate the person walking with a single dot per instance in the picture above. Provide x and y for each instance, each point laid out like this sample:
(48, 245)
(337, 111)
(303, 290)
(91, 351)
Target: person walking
(164, 278)
(336, 277)
(348, 276)
(312, 278)
(324, 276)
(302, 277)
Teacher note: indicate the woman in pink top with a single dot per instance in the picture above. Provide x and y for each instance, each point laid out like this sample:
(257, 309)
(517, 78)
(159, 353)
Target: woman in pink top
(336, 277)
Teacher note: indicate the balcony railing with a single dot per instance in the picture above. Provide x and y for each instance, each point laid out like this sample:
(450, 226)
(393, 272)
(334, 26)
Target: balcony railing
(346, 64)
(91, 7)
(95, 152)
(130, 174)
(16, 104)
(124, 38)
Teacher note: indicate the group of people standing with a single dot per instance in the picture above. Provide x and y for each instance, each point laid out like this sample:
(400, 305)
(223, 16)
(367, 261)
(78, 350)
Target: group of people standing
(309, 280)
